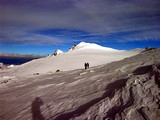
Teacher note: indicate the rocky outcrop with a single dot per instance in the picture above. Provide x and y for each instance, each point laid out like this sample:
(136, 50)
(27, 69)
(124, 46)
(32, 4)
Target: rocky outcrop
(57, 52)
(73, 47)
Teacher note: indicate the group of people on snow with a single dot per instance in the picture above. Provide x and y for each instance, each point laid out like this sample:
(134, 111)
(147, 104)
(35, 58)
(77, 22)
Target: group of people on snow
(86, 65)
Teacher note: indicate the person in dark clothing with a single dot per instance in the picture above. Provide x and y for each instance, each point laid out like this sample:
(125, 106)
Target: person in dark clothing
(87, 65)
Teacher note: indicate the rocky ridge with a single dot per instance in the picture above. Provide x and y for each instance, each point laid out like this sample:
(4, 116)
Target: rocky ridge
(57, 52)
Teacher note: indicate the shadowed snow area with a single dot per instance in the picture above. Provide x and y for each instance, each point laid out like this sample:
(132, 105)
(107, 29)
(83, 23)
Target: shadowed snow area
(71, 60)
(128, 89)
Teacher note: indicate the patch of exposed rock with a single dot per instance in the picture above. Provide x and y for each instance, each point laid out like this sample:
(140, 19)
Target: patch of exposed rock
(57, 52)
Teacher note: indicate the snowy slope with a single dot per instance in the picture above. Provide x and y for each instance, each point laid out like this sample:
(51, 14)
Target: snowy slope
(124, 90)
(74, 59)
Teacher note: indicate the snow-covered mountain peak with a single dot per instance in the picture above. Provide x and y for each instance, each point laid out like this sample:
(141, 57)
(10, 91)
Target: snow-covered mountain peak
(84, 44)
(90, 46)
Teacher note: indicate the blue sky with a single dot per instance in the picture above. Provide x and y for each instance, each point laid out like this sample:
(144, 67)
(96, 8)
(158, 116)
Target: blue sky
(42, 26)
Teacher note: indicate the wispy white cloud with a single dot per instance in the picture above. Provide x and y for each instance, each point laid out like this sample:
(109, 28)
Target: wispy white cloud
(99, 18)
(151, 35)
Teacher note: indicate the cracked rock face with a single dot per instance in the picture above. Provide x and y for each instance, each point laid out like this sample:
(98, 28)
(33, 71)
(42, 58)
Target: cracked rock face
(125, 90)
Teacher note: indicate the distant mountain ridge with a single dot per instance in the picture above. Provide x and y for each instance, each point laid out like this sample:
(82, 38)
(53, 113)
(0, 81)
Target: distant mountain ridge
(16, 59)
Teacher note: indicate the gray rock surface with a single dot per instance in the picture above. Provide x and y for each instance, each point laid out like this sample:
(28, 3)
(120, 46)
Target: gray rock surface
(125, 90)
